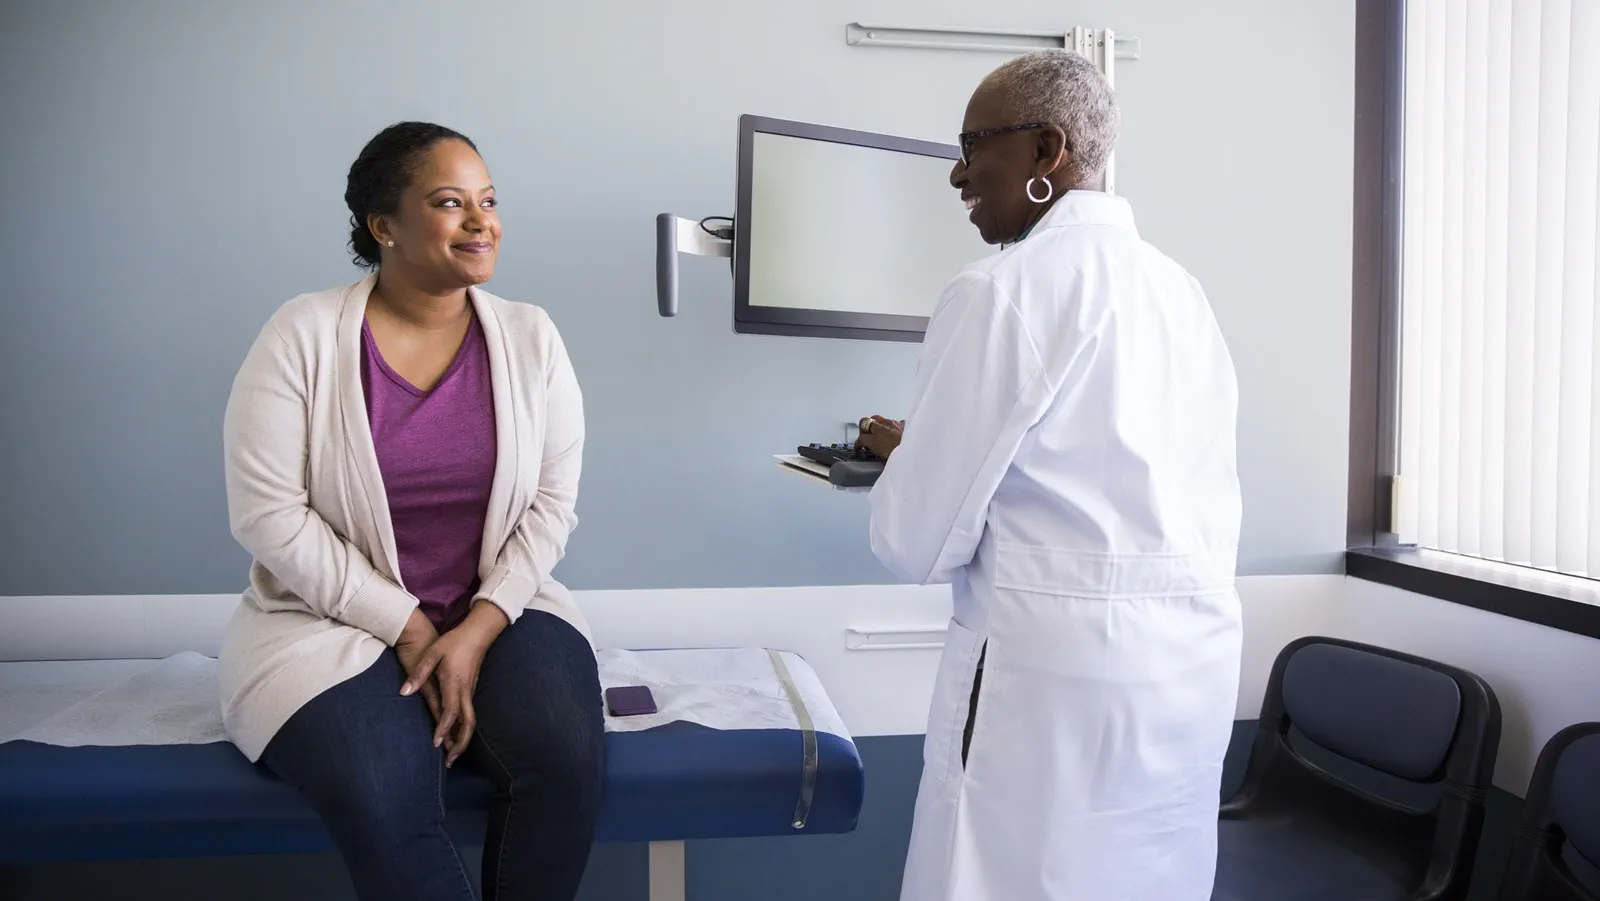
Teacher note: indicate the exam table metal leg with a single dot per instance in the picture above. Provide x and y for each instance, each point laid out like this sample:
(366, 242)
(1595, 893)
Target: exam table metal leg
(666, 871)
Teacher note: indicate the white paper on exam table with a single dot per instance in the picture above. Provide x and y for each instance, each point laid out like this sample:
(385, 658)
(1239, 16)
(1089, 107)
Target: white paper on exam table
(174, 701)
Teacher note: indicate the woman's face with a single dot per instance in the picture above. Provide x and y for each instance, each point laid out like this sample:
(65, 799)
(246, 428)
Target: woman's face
(446, 231)
(994, 179)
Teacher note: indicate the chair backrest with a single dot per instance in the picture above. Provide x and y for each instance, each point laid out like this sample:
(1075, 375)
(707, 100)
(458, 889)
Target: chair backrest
(1417, 721)
(1395, 716)
(1562, 815)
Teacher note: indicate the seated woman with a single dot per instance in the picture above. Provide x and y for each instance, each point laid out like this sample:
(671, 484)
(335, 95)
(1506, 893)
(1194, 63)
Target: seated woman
(402, 463)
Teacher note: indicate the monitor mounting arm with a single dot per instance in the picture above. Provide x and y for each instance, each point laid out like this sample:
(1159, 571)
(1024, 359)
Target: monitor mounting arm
(675, 235)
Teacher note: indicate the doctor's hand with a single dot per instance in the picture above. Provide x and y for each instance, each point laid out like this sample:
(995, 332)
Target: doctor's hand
(880, 435)
(453, 662)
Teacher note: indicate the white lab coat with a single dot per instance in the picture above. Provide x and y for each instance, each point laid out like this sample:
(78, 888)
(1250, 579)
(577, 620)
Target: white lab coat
(1069, 465)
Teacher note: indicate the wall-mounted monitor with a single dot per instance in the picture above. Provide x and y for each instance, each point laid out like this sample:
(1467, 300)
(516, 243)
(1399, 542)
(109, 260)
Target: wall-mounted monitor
(844, 234)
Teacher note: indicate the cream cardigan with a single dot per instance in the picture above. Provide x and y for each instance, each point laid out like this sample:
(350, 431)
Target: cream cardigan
(306, 499)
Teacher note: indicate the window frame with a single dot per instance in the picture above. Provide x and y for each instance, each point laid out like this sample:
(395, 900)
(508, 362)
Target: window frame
(1373, 552)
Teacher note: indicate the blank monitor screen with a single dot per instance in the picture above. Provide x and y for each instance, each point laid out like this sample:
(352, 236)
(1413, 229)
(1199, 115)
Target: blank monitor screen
(844, 234)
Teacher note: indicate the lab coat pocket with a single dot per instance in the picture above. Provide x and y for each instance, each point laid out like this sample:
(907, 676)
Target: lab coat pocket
(952, 697)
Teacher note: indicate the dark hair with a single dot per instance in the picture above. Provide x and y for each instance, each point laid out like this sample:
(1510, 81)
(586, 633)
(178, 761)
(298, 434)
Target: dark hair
(381, 173)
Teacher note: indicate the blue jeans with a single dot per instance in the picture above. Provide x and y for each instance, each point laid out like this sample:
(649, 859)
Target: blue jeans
(364, 757)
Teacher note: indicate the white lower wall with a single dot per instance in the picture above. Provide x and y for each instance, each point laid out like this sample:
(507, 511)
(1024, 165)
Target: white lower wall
(1545, 678)
(880, 686)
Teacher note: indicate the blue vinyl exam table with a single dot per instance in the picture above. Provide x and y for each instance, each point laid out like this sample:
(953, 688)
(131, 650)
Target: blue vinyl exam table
(125, 759)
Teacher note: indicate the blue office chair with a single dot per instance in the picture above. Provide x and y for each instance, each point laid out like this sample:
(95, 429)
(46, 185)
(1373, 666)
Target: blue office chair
(1561, 817)
(1297, 831)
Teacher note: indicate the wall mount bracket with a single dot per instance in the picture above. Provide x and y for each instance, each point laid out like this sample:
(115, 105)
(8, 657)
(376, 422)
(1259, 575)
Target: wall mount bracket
(675, 235)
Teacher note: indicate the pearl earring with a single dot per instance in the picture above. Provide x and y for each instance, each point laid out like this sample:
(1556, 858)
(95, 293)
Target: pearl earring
(391, 243)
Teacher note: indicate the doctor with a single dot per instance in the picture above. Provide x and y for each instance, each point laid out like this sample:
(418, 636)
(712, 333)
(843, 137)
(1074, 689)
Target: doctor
(1068, 463)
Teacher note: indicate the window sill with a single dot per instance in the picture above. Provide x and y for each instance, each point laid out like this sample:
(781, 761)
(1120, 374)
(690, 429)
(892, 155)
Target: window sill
(1560, 602)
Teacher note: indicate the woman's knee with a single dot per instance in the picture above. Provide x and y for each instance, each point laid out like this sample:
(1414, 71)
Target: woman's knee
(569, 750)
(560, 750)
(369, 798)
(364, 764)
(540, 679)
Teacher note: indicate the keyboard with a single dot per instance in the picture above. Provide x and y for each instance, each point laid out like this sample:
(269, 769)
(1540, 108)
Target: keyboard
(829, 454)
(849, 466)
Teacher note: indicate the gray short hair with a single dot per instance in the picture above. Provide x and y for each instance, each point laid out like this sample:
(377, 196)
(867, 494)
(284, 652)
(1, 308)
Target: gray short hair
(1062, 88)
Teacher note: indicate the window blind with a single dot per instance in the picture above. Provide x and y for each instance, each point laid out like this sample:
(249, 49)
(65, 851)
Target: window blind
(1499, 453)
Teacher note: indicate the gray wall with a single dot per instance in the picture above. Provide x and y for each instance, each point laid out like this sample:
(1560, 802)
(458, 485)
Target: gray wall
(175, 170)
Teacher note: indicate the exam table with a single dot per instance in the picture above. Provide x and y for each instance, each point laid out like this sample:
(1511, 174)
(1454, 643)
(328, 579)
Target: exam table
(116, 759)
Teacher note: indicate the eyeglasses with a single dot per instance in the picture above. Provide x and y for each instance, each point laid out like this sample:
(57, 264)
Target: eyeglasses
(968, 138)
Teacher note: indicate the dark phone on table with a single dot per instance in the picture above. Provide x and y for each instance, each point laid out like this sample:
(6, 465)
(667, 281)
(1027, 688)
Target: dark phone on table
(630, 700)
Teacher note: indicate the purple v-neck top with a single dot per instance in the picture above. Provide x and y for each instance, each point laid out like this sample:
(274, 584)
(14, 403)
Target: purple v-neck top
(436, 452)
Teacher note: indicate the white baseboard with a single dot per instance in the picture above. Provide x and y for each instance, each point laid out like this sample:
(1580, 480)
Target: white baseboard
(875, 647)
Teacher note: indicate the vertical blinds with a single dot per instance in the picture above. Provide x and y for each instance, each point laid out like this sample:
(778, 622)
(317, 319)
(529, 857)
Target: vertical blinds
(1499, 388)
